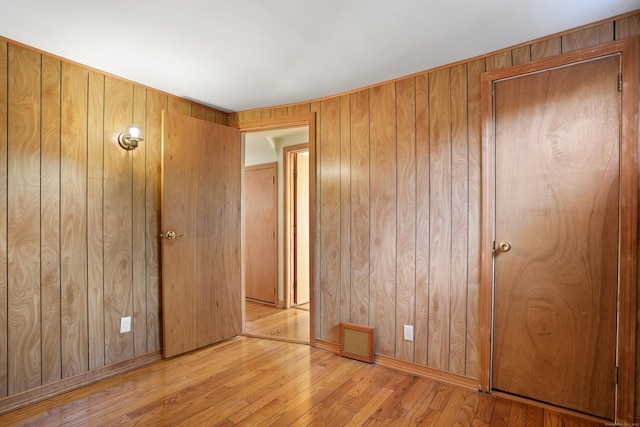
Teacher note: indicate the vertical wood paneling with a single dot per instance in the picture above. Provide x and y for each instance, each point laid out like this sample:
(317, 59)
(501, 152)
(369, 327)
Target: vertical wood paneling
(474, 131)
(279, 111)
(73, 220)
(95, 215)
(179, 106)
(4, 343)
(156, 102)
(198, 111)
(627, 27)
(132, 203)
(383, 216)
(118, 227)
(345, 208)
(299, 109)
(459, 219)
(360, 207)
(440, 219)
(50, 220)
(247, 116)
(24, 293)
(139, 320)
(546, 48)
(588, 37)
(329, 183)
(421, 330)
(499, 60)
(406, 215)
(521, 55)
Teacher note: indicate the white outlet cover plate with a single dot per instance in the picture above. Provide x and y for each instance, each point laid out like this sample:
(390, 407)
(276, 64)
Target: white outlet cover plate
(125, 324)
(408, 332)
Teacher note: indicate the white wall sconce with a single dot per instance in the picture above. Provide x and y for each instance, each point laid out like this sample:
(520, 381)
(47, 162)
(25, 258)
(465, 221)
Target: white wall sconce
(130, 138)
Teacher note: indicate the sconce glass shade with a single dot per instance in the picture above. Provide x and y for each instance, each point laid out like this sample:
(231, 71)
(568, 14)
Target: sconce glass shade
(130, 138)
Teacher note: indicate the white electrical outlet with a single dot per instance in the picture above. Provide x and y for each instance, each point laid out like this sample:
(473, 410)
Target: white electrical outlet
(125, 324)
(408, 333)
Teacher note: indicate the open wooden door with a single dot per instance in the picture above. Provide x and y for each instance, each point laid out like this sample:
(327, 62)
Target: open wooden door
(301, 227)
(201, 226)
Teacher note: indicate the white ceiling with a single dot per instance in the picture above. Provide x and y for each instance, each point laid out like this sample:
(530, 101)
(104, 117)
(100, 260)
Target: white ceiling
(245, 54)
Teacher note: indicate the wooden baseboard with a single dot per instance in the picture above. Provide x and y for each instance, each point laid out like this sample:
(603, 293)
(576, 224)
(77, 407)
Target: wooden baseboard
(48, 391)
(411, 368)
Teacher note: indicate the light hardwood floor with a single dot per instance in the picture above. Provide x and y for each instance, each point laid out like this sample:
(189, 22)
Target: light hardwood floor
(290, 324)
(251, 382)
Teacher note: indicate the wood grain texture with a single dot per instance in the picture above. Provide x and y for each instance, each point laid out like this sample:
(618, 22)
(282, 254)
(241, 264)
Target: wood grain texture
(439, 219)
(474, 132)
(499, 60)
(360, 208)
(521, 54)
(383, 216)
(198, 111)
(566, 357)
(355, 119)
(139, 215)
(329, 190)
(156, 102)
(95, 217)
(546, 48)
(118, 225)
(459, 220)
(345, 208)
(4, 125)
(627, 27)
(179, 106)
(248, 381)
(201, 198)
(23, 220)
(73, 220)
(406, 215)
(588, 37)
(261, 225)
(421, 330)
(50, 220)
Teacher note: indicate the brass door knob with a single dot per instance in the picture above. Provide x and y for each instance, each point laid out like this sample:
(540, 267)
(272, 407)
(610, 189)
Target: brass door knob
(170, 235)
(504, 246)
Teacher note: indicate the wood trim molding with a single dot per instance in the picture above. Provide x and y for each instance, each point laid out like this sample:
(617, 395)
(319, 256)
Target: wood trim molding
(628, 213)
(65, 385)
(410, 368)
(307, 119)
(426, 372)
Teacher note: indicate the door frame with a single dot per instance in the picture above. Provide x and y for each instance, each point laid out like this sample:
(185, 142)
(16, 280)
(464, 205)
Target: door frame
(627, 213)
(289, 259)
(309, 120)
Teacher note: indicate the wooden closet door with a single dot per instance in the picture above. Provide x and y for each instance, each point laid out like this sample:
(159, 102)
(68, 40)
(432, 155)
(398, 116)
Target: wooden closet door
(201, 203)
(261, 224)
(557, 198)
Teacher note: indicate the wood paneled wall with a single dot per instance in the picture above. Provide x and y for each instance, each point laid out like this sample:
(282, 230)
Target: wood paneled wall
(398, 196)
(79, 220)
(398, 221)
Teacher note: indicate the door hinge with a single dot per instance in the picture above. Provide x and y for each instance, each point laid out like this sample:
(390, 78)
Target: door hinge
(273, 179)
(295, 286)
(273, 234)
(620, 82)
(295, 230)
(295, 173)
